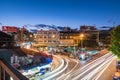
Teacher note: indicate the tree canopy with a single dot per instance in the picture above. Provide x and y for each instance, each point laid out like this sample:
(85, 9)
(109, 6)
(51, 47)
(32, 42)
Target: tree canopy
(115, 41)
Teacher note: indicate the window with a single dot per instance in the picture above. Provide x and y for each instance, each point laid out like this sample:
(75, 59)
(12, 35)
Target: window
(49, 41)
(40, 37)
(45, 37)
(66, 37)
(45, 32)
(54, 32)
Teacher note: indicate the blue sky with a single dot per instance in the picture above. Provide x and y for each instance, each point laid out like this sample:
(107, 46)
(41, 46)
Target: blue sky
(71, 13)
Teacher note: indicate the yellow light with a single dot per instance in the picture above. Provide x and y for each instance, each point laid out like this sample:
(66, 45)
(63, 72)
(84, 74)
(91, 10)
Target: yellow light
(82, 35)
(30, 35)
(53, 36)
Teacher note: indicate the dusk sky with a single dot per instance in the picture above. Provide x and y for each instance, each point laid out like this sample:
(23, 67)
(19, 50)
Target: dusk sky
(72, 13)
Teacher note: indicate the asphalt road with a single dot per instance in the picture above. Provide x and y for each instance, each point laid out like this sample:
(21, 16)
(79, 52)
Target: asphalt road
(100, 67)
(93, 70)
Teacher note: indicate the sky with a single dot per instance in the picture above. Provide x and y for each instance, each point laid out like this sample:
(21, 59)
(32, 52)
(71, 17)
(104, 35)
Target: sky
(72, 13)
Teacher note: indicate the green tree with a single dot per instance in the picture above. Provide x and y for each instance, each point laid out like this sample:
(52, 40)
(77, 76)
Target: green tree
(115, 41)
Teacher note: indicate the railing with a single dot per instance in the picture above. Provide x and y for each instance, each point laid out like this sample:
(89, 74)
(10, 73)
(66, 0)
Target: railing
(7, 71)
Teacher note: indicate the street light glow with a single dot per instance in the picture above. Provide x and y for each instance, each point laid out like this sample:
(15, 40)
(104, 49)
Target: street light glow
(81, 35)
(53, 36)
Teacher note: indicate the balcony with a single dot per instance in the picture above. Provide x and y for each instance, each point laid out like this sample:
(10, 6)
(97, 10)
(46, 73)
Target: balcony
(7, 72)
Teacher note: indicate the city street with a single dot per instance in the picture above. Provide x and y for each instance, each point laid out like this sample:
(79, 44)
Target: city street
(60, 40)
(90, 71)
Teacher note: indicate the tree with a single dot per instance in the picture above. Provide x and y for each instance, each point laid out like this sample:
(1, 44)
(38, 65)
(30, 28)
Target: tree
(115, 41)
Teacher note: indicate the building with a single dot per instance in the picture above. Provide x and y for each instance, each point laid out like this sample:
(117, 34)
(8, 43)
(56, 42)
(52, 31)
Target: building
(91, 36)
(105, 37)
(69, 38)
(90, 31)
(6, 40)
(24, 34)
(13, 31)
(87, 28)
(47, 38)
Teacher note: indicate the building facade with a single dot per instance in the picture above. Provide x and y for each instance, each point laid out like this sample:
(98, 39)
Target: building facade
(90, 31)
(91, 36)
(69, 38)
(46, 38)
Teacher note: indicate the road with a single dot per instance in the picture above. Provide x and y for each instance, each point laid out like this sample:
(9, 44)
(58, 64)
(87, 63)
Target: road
(91, 71)
(94, 69)
(66, 65)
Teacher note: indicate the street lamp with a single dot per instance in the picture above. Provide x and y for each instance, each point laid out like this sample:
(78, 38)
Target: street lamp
(52, 50)
(81, 38)
(53, 36)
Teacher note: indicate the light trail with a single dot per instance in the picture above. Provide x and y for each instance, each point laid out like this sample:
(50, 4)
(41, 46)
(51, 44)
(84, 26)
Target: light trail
(55, 70)
(81, 71)
(88, 69)
(64, 75)
(58, 73)
(95, 71)
(103, 70)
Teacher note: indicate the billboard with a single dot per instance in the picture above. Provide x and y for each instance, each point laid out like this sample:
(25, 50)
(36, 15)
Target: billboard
(9, 29)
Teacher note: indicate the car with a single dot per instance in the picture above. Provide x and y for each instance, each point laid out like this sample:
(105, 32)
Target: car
(116, 76)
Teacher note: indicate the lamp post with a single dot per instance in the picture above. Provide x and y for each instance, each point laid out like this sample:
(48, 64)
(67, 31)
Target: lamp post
(81, 38)
(53, 38)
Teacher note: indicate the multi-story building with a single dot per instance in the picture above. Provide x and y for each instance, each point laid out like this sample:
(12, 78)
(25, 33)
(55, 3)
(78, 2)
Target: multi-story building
(24, 35)
(47, 38)
(6, 40)
(69, 38)
(90, 31)
(13, 31)
(105, 37)
(91, 36)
